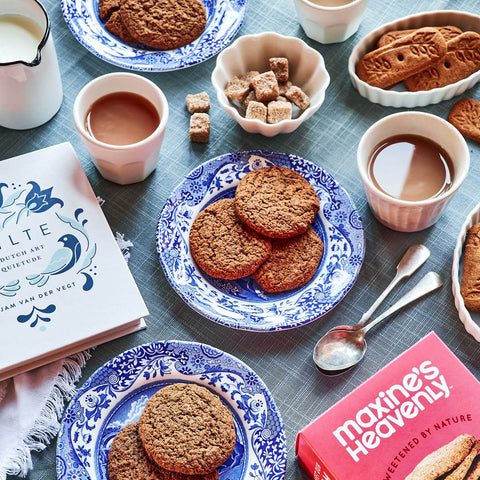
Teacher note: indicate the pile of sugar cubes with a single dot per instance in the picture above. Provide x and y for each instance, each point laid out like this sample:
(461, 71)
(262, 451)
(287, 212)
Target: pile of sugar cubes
(267, 96)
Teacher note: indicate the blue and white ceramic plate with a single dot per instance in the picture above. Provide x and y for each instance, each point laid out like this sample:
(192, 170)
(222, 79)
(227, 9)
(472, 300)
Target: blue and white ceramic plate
(117, 393)
(224, 18)
(242, 303)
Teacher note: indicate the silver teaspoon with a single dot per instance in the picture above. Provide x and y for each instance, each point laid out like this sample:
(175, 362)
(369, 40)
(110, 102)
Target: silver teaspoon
(340, 349)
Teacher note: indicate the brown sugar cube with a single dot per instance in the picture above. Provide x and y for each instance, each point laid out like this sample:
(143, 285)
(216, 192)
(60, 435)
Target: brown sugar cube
(279, 66)
(281, 98)
(247, 78)
(236, 90)
(256, 111)
(249, 98)
(265, 86)
(283, 87)
(278, 111)
(198, 103)
(298, 97)
(200, 127)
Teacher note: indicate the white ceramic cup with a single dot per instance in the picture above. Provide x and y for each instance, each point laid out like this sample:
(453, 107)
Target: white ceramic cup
(123, 164)
(401, 215)
(330, 24)
(30, 90)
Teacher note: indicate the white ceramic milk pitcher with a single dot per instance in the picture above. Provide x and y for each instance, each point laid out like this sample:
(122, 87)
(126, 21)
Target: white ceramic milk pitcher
(30, 84)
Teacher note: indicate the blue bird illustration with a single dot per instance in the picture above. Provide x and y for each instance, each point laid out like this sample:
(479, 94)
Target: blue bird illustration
(62, 260)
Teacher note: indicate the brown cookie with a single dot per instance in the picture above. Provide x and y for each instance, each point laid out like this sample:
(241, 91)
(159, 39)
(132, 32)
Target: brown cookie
(107, 7)
(292, 263)
(223, 246)
(186, 428)
(462, 59)
(127, 460)
(276, 201)
(462, 469)
(116, 27)
(474, 472)
(470, 284)
(164, 24)
(443, 460)
(448, 32)
(465, 117)
(402, 58)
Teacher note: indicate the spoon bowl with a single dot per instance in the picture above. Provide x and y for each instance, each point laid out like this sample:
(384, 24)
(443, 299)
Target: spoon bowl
(342, 348)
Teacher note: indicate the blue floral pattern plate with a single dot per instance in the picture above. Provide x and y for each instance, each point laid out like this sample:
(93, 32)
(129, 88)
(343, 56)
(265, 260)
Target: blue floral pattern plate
(224, 18)
(242, 303)
(117, 393)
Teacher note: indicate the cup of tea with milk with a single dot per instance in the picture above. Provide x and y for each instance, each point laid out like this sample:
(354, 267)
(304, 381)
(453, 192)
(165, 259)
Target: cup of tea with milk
(121, 118)
(30, 84)
(411, 164)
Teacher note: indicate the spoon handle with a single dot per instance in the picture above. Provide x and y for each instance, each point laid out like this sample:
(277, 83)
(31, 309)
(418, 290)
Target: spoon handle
(430, 282)
(412, 260)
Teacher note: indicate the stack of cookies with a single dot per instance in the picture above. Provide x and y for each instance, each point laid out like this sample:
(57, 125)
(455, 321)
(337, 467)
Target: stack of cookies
(265, 231)
(184, 433)
(425, 58)
(160, 24)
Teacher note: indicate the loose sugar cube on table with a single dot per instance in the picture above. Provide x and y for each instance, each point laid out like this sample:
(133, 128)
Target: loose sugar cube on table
(198, 103)
(200, 127)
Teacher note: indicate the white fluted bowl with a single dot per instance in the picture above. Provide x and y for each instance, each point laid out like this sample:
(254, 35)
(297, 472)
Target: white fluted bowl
(251, 52)
(471, 320)
(398, 96)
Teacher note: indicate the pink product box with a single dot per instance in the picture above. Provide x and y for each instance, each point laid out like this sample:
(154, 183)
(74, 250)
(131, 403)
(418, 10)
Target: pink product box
(422, 407)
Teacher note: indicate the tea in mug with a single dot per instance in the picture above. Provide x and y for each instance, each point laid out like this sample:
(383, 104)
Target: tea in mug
(19, 38)
(411, 168)
(121, 118)
(331, 3)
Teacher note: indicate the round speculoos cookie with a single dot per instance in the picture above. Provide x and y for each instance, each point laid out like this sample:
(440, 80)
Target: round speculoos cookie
(292, 263)
(164, 24)
(276, 201)
(223, 246)
(186, 428)
(127, 460)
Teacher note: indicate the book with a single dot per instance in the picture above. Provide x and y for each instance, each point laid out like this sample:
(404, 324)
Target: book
(417, 415)
(64, 284)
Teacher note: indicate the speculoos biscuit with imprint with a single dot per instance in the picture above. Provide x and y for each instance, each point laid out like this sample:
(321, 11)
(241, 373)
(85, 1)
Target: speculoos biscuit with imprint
(276, 201)
(127, 460)
(443, 460)
(292, 263)
(389, 65)
(223, 246)
(164, 24)
(465, 117)
(470, 283)
(186, 428)
(462, 59)
(448, 32)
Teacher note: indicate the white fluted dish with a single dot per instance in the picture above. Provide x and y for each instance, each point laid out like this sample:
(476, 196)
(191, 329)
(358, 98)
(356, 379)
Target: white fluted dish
(471, 320)
(251, 52)
(398, 96)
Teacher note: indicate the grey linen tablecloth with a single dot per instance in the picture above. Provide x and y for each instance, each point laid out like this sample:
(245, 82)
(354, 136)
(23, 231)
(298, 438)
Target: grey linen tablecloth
(329, 139)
